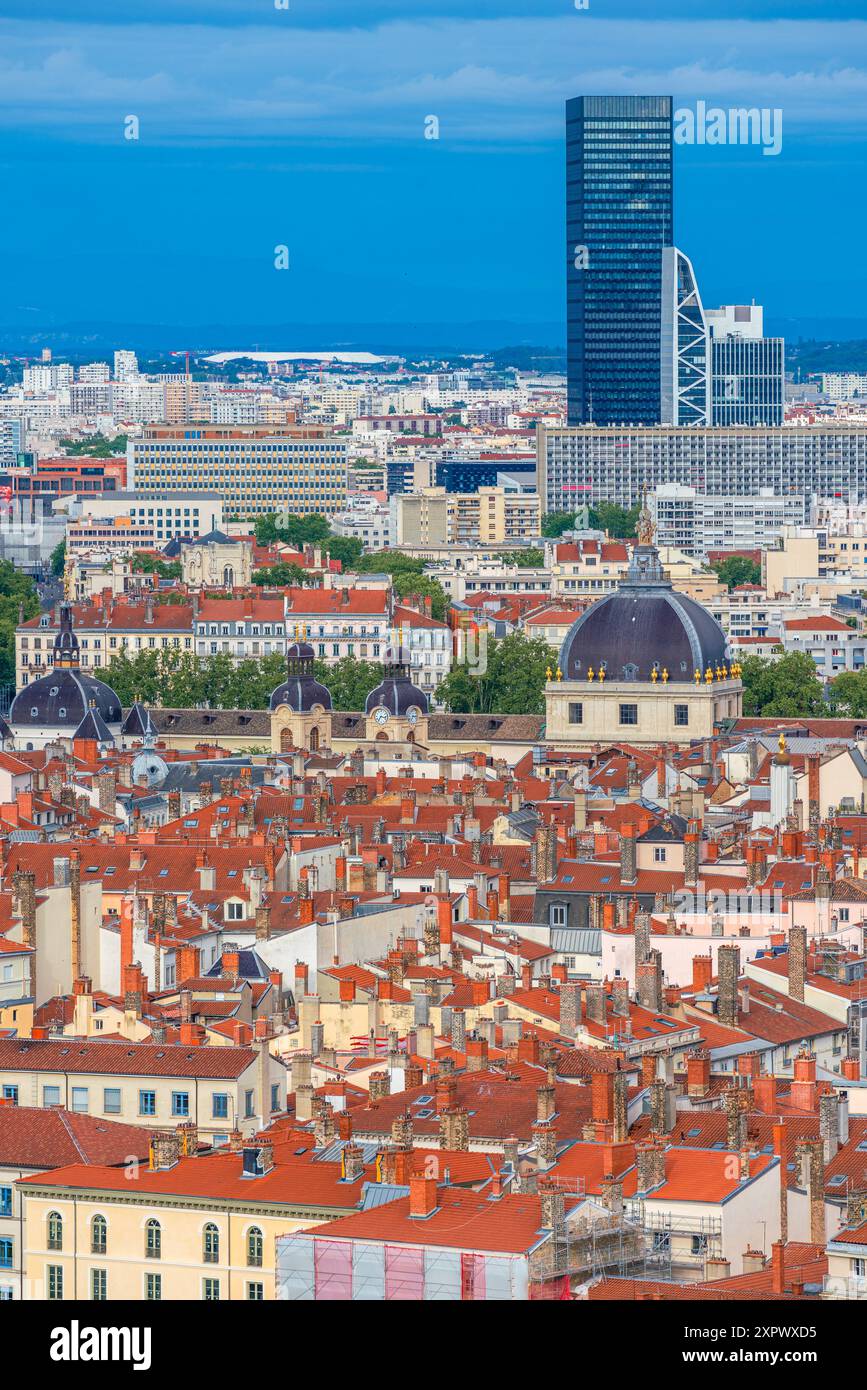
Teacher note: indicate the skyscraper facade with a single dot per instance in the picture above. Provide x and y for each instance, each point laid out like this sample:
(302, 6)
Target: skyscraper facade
(619, 214)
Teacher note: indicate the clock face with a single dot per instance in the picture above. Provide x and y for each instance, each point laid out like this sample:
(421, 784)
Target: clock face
(381, 715)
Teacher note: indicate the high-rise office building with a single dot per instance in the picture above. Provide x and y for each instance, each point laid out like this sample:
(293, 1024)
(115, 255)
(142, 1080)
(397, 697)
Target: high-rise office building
(619, 215)
(748, 370)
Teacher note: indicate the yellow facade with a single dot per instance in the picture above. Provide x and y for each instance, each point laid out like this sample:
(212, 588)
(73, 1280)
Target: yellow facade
(129, 1269)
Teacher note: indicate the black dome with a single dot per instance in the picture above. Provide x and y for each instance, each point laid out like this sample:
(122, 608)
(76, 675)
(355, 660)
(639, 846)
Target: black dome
(301, 690)
(62, 698)
(644, 625)
(396, 693)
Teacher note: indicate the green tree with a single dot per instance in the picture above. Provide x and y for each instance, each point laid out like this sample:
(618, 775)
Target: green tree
(347, 549)
(513, 682)
(788, 688)
(555, 523)
(282, 574)
(349, 681)
(530, 558)
(849, 694)
(407, 586)
(619, 522)
(737, 570)
(18, 598)
(95, 446)
(58, 558)
(145, 563)
(292, 530)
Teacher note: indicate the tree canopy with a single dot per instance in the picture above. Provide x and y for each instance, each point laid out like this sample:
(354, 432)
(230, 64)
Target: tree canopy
(58, 558)
(95, 446)
(513, 682)
(145, 563)
(849, 694)
(349, 681)
(529, 558)
(737, 570)
(281, 575)
(788, 688)
(292, 530)
(555, 523)
(619, 522)
(17, 591)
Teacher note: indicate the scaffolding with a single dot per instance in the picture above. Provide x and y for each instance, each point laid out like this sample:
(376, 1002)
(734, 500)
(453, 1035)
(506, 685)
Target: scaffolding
(324, 1269)
(665, 1235)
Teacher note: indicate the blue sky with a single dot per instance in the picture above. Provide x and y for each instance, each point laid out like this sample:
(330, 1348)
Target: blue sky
(305, 127)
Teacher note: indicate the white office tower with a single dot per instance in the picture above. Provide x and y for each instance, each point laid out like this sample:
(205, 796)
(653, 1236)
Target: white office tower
(748, 370)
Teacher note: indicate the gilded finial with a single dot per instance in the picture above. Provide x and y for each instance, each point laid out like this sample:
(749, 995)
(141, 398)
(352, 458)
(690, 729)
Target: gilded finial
(602, 673)
(590, 673)
(697, 676)
(665, 675)
(549, 674)
(782, 743)
(559, 674)
(654, 675)
(708, 676)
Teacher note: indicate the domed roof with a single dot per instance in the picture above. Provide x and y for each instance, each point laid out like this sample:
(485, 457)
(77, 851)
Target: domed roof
(301, 691)
(645, 625)
(396, 693)
(62, 698)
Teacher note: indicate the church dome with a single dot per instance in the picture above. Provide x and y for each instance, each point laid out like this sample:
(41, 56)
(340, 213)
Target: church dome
(62, 698)
(301, 691)
(644, 626)
(396, 692)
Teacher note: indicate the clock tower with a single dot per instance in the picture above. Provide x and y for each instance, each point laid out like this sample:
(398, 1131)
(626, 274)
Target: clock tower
(396, 711)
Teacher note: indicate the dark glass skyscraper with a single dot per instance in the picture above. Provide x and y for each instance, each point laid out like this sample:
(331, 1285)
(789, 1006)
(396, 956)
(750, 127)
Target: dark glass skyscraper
(619, 213)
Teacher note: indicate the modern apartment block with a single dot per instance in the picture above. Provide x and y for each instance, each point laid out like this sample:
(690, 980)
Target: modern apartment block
(490, 516)
(619, 218)
(698, 524)
(590, 465)
(301, 470)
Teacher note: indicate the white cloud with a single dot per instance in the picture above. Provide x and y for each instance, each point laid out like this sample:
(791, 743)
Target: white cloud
(498, 80)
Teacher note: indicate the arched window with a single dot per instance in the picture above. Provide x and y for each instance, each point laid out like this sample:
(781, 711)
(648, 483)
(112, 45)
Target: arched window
(314, 740)
(211, 1244)
(254, 1247)
(98, 1235)
(55, 1230)
(153, 1240)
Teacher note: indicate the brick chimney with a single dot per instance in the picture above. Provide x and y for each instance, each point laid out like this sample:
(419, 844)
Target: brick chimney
(628, 855)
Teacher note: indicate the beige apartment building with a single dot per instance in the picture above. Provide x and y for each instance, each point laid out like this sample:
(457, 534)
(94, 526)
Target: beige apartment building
(179, 1227)
(490, 516)
(301, 469)
(218, 1089)
(105, 628)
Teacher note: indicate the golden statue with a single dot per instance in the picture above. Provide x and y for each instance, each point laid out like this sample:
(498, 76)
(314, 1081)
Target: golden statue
(559, 674)
(602, 673)
(549, 674)
(708, 676)
(590, 673)
(654, 675)
(782, 743)
(697, 676)
(665, 675)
